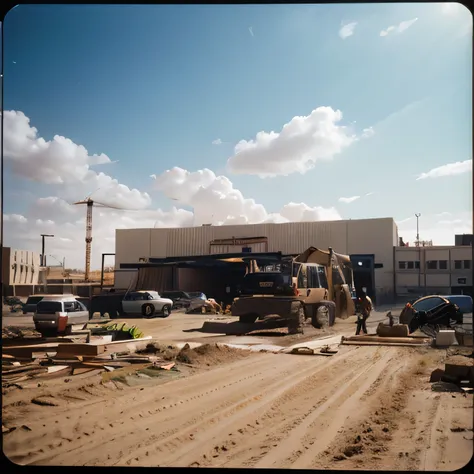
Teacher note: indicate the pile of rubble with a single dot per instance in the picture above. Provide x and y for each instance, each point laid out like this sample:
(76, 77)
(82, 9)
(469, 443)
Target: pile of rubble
(457, 375)
(43, 365)
(25, 358)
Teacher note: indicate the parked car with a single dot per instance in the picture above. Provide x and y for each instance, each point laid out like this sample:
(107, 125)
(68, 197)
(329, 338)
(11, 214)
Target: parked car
(146, 303)
(464, 302)
(31, 302)
(56, 314)
(181, 299)
(428, 303)
(198, 301)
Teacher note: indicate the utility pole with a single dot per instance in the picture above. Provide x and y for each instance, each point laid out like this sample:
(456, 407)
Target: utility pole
(419, 250)
(43, 255)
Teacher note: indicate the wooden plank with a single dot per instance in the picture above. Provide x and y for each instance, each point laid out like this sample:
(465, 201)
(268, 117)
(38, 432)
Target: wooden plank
(79, 349)
(364, 343)
(30, 373)
(56, 368)
(27, 351)
(407, 340)
(18, 370)
(82, 370)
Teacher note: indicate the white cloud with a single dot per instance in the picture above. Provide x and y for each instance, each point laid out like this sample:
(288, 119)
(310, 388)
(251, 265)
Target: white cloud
(347, 30)
(441, 233)
(67, 223)
(217, 142)
(450, 222)
(450, 169)
(251, 31)
(348, 200)
(215, 200)
(368, 132)
(370, 194)
(63, 163)
(404, 221)
(400, 28)
(296, 148)
(14, 218)
(300, 212)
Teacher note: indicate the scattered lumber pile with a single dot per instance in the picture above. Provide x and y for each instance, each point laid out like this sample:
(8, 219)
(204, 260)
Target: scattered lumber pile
(50, 365)
(24, 360)
(375, 340)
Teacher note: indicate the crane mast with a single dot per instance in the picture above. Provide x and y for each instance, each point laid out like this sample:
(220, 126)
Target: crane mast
(90, 203)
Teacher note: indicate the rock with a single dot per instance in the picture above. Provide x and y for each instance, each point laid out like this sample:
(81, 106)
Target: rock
(352, 450)
(44, 402)
(436, 375)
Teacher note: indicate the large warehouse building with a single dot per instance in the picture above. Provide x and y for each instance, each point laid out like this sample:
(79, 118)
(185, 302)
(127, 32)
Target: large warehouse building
(369, 242)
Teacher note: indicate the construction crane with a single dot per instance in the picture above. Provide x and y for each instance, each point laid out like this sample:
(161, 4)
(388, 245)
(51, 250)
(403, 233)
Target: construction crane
(90, 203)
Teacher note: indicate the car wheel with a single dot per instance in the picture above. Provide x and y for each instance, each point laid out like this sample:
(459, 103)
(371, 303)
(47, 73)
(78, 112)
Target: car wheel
(166, 311)
(148, 310)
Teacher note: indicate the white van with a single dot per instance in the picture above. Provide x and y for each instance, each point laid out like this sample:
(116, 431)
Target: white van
(56, 314)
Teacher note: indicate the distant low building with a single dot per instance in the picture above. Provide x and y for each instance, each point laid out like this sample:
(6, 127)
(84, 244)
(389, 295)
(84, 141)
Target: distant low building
(20, 267)
(463, 240)
(20, 270)
(433, 270)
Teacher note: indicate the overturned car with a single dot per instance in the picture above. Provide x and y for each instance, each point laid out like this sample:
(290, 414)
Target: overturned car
(430, 314)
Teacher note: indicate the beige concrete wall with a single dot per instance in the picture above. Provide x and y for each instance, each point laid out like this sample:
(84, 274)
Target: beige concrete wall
(431, 280)
(20, 267)
(365, 236)
(438, 280)
(122, 279)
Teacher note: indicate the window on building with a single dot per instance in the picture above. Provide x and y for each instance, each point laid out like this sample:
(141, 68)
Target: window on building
(457, 264)
(443, 264)
(402, 265)
(410, 265)
(432, 264)
(467, 264)
(417, 264)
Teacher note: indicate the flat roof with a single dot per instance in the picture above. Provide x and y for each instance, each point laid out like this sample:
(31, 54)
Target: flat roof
(204, 260)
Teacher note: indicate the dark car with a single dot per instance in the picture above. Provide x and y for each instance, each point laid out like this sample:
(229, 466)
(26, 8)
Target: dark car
(31, 302)
(429, 303)
(180, 299)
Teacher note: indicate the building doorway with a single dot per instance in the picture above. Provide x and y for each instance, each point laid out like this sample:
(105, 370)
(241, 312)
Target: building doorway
(364, 276)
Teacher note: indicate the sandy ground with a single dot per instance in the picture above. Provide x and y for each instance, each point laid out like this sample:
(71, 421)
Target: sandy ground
(181, 327)
(364, 408)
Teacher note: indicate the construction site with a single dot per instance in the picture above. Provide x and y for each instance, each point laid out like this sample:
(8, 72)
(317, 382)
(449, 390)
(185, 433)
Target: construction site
(240, 346)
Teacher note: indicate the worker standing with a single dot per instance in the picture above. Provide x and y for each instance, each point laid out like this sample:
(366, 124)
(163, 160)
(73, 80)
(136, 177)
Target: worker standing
(365, 310)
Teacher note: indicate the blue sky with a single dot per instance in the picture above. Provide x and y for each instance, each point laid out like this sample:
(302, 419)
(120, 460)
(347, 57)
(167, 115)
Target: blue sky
(153, 86)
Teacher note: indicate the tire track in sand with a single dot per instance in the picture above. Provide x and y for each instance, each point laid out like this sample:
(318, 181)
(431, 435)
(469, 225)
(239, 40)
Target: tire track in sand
(277, 456)
(167, 450)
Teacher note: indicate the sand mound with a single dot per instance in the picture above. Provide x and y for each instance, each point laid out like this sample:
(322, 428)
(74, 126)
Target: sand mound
(210, 354)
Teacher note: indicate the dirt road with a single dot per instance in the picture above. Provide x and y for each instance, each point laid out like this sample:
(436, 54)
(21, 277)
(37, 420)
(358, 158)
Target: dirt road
(366, 407)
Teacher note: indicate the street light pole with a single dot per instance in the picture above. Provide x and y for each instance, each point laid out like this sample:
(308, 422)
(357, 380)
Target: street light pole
(419, 250)
(43, 256)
